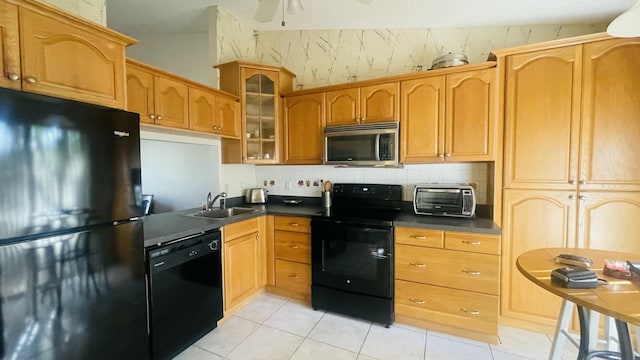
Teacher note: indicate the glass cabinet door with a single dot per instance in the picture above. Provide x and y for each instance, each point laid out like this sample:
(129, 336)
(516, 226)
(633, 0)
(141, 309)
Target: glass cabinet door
(260, 112)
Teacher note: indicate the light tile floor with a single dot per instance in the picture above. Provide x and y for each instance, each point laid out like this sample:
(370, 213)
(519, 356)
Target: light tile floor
(273, 328)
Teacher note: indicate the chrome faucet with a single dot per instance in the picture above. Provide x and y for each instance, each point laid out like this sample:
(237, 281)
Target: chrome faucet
(223, 200)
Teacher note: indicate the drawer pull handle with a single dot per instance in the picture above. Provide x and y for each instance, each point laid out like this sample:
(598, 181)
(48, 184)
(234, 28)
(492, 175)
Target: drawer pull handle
(294, 276)
(417, 265)
(471, 242)
(471, 272)
(470, 312)
(419, 237)
(294, 246)
(294, 224)
(416, 301)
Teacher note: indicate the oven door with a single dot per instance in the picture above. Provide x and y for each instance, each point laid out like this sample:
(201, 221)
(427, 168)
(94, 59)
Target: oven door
(352, 257)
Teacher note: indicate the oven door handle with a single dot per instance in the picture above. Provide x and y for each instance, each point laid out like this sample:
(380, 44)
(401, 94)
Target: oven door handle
(377, 254)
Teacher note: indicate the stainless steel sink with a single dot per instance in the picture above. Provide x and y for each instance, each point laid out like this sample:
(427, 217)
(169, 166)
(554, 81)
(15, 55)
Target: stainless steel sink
(222, 213)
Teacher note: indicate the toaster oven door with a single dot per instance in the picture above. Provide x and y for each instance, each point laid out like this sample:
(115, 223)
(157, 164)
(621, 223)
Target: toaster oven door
(438, 201)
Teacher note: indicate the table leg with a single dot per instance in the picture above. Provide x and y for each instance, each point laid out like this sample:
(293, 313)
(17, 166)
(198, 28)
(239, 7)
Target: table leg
(626, 350)
(583, 316)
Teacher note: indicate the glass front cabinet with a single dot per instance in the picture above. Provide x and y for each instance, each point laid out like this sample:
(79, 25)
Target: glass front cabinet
(259, 88)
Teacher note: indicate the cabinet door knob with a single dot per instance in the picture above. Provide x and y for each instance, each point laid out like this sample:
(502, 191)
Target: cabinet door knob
(572, 181)
(583, 182)
(447, 155)
(471, 272)
(419, 237)
(417, 265)
(294, 246)
(294, 276)
(294, 224)
(31, 80)
(470, 312)
(416, 301)
(152, 116)
(441, 156)
(159, 117)
(572, 197)
(582, 197)
(13, 77)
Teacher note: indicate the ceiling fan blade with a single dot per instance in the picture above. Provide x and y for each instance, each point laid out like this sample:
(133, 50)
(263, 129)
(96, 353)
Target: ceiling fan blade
(266, 10)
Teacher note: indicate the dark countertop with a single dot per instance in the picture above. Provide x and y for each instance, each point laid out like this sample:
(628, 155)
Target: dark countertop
(160, 228)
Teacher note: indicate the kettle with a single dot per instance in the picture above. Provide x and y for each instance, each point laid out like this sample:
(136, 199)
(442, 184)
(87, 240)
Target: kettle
(256, 196)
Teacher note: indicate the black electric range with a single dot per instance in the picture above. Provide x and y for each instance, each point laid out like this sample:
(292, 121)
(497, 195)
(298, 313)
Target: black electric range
(352, 251)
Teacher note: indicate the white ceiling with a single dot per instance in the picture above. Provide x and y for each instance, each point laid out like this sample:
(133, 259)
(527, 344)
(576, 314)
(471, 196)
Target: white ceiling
(166, 16)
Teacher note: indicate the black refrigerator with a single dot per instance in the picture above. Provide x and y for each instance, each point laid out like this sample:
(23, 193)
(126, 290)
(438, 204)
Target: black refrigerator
(72, 274)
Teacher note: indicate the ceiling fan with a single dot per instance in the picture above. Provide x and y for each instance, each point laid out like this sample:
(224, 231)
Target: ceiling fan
(267, 8)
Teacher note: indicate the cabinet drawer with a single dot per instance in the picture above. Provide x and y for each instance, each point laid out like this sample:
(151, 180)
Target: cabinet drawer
(241, 228)
(453, 269)
(293, 276)
(293, 246)
(462, 309)
(481, 243)
(291, 223)
(419, 237)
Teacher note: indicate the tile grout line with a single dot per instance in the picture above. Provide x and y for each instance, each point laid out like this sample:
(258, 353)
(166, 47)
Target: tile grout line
(364, 340)
(426, 335)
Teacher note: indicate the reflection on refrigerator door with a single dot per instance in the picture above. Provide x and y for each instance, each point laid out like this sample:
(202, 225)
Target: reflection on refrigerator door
(71, 295)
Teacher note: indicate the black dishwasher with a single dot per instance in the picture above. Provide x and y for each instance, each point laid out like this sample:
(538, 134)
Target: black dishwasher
(185, 292)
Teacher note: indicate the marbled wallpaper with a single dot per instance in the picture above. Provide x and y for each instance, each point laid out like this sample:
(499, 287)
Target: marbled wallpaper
(94, 10)
(324, 57)
(234, 39)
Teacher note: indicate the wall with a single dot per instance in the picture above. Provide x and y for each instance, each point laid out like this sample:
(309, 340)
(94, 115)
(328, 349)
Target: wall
(233, 39)
(292, 180)
(338, 56)
(183, 54)
(94, 10)
(179, 170)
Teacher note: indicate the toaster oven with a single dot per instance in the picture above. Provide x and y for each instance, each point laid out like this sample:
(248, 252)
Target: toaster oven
(444, 200)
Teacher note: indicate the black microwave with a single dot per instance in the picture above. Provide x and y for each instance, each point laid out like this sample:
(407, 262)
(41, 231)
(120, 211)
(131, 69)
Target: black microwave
(374, 144)
(444, 200)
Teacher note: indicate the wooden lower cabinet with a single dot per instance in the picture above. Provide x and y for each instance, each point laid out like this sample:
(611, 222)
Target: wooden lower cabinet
(242, 262)
(292, 243)
(294, 277)
(452, 311)
(448, 281)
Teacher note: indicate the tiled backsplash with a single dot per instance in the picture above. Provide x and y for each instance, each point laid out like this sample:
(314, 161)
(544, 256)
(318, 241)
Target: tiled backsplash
(306, 180)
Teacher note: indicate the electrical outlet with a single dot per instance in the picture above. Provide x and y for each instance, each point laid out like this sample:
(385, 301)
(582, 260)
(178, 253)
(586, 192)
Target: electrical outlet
(287, 185)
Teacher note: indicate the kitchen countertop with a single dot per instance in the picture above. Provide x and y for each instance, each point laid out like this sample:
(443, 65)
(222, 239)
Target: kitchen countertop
(160, 228)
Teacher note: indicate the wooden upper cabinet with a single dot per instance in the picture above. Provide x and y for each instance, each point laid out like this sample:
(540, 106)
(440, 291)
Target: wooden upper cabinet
(610, 146)
(422, 119)
(227, 116)
(367, 104)
(470, 116)
(64, 60)
(343, 106)
(171, 102)
(542, 118)
(10, 46)
(380, 103)
(140, 93)
(303, 128)
(449, 117)
(202, 109)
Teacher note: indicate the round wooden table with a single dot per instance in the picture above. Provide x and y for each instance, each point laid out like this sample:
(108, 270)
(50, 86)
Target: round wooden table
(619, 299)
